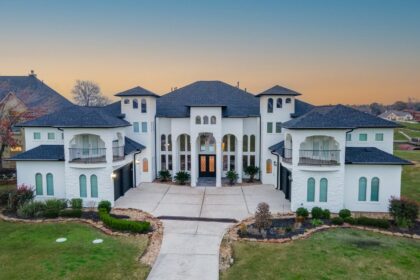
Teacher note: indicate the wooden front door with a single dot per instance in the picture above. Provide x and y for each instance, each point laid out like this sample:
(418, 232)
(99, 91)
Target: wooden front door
(207, 165)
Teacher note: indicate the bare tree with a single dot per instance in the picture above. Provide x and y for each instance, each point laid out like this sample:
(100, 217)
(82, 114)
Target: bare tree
(88, 93)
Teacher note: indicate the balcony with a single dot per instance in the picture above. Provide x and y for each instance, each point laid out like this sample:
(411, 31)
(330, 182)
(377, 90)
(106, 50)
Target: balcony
(86, 155)
(319, 157)
(118, 153)
(287, 155)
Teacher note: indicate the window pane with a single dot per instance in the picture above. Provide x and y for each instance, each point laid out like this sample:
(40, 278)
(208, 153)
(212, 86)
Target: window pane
(348, 137)
(244, 162)
(188, 162)
(252, 148)
(51, 135)
(374, 192)
(82, 186)
(269, 127)
(93, 186)
(145, 165)
(206, 120)
(50, 184)
(362, 189)
(126, 101)
(310, 192)
(363, 137)
(225, 163)
(232, 163)
(163, 162)
(232, 143)
(225, 144)
(182, 160)
(269, 166)
(135, 104)
(323, 190)
(143, 106)
(182, 143)
(288, 100)
(169, 162)
(252, 160)
(270, 105)
(279, 102)
(379, 137)
(169, 143)
(37, 135)
(213, 120)
(202, 143)
(278, 127)
(144, 127)
(188, 143)
(245, 143)
(38, 184)
(197, 120)
(163, 142)
(136, 127)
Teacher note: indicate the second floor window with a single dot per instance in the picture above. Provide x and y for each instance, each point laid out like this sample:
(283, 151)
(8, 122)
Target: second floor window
(37, 135)
(135, 104)
(136, 127)
(144, 127)
(279, 103)
(270, 105)
(348, 137)
(379, 137)
(278, 127)
(51, 135)
(363, 137)
(269, 127)
(143, 106)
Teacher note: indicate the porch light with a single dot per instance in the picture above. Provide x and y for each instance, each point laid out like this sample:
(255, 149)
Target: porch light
(113, 175)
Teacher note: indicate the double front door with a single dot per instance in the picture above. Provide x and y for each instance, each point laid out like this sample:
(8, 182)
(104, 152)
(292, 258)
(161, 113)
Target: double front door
(207, 165)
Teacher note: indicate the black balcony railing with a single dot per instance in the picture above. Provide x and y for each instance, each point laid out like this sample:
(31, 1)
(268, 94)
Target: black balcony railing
(84, 155)
(117, 153)
(287, 155)
(319, 157)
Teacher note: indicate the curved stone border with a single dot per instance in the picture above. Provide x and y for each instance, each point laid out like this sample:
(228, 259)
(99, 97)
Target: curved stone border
(154, 238)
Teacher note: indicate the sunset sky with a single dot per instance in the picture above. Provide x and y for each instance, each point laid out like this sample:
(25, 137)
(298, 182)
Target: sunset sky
(330, 51)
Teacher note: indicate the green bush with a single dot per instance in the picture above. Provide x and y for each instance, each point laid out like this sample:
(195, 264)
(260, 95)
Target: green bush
(31, 209)
(316, 222)
(20, 196)
(164, 175)
(104, 205)
(326, 214)
(76, 203)
(302, 212)
(55, 204)
(344, 213)
(182, 177)
(371, 222)
(337, 221)
(51, 213)
(71, 213)
(350, 220)
(123, 225)
(232, 176)
(316, 213)
(251, 171)
(404, 211)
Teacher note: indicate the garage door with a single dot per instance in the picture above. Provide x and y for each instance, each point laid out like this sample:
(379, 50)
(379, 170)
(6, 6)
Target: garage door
(123, 180)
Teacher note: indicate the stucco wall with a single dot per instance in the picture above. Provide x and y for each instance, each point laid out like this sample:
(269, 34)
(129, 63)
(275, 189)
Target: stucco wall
(31, 143)
(385, 145)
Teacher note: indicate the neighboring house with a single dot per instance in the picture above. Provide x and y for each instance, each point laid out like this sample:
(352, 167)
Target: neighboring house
(331, 156)
(415, 114)
(394, 115)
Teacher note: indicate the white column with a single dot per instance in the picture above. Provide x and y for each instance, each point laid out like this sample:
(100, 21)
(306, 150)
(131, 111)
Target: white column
(193, 139)
(219, 156)
(239, 160)
(175, 157)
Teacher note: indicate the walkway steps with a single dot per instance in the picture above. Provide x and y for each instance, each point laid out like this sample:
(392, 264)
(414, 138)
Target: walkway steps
(198, 219)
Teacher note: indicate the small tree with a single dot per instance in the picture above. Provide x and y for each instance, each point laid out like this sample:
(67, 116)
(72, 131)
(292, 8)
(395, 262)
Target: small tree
(251, 171)
(404, 211)
(182, 177)
(88, 93)
(263, 216)
(232, 176)
(164, 175)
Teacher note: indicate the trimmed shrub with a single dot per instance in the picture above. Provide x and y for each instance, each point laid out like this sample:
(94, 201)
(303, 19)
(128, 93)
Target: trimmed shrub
(164, 175)
(104, 205)
(182, 177)
(344, 213)
(326, 214)
(316, 213)
(55, 204)
(371, 222)
(337, 221)
(263, 216)
(123, 225)
(232, 176)
(51, 213)
(71, 213)
(316, 222)
(76, 203)
(350, 220)
(404, 211)
(302, 212)
(20, 196)
(251, 171)
(31, 209)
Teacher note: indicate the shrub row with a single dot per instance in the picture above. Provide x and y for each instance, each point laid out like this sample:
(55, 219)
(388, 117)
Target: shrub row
(316, 212)
(51, 208)
(370, 222)
(123, 225)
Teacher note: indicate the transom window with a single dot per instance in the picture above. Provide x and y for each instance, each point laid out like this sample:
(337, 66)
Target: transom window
(207, 143)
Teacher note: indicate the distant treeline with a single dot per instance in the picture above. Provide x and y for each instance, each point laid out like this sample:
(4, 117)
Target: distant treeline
(378, 108)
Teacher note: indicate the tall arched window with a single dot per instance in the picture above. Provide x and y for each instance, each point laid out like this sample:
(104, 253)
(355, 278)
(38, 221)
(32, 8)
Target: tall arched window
(374, 189)
(323, 190)
(270, 105)
(135, 104)
(288, 100)
(279, 103)
(169, 142)
(163, 142)
(82, 186)
(252, 142)
(143, 106)
(93, 186)
(310, 190)
(197, 120)
(213, 120)
(269, 166)
(245, 143)
(145, 165)
(362, 189)
(50, 184)
(38, 184)
(206, 120)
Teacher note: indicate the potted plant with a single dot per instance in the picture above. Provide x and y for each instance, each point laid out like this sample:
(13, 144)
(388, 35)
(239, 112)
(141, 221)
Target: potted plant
(232, 176)
(251, 171)
(182, 177)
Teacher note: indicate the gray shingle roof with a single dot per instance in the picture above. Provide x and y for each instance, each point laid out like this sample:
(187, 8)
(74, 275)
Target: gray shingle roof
(137, 91)
(277, 148)
(78, 116)
(371, 155)
(301, 108)
(337, 117)
(279, 90)
(42, 152)
(132, 146)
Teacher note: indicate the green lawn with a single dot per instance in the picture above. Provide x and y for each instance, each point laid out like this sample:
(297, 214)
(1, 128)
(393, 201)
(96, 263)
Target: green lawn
(29, 251)
(332, 254)
(409, 155)
(410, 179)
(411, 129)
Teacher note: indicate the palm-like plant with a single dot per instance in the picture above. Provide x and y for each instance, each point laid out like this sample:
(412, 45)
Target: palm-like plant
(182, 177)
(232, 176)
(164, 175)
(251, 171)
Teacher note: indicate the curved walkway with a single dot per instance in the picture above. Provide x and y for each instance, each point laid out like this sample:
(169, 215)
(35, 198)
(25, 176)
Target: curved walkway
(190, 249)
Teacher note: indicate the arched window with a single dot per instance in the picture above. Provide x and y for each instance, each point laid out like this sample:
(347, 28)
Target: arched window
(288, 100)
(93, 186)
(143, 106)
(252, 142)
(374, 189)
(245, 143)
(38, 184)
(206, 120)
(323, 190)
(126, 101)
(82, 186)
(269, 166)
(50, 184)
(213, 120)
(310, 190)
(163, 142)
(279, 103)
(169, 143)
(145, 165)
(270, 105)
(197, 120)
(362, 189)
(135, 104)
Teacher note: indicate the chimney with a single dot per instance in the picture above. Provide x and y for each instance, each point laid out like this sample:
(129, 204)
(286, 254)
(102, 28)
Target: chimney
(237, 84)
(32, 74)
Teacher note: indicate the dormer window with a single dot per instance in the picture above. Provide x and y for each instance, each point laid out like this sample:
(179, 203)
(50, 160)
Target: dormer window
(126, 101)
(135, 104)
(143, 106)
(270, 105)
(288, 100)
(279, 103)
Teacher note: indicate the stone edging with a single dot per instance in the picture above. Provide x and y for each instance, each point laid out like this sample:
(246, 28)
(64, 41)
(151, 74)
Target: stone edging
(154, 238)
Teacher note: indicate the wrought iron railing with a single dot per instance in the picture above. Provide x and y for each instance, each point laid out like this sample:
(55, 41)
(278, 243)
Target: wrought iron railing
(117, 153)
(319, 157)
(86, 155)
(287, 155)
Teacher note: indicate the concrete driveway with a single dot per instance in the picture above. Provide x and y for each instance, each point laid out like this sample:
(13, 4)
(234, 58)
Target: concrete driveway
(190, 249)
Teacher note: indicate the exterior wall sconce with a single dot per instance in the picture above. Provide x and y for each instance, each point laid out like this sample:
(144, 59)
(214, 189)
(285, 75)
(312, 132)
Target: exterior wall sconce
(113, 175)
